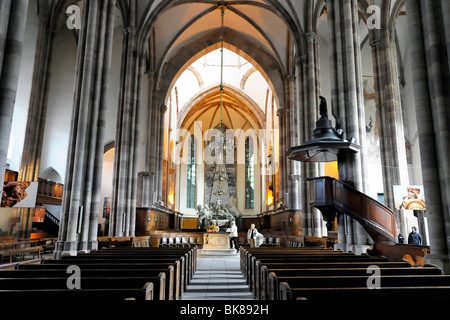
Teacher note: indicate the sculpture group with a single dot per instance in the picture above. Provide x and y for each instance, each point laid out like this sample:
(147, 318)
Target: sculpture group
(218, 214)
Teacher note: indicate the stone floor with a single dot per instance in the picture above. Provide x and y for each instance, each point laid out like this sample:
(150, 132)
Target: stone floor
(218, 277)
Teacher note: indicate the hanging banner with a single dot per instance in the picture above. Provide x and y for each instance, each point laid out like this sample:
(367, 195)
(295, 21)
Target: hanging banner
(410, 197)
(19, 194)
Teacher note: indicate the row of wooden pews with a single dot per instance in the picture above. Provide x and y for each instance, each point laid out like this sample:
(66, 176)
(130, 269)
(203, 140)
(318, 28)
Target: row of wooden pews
(313, 273)
(118, 273)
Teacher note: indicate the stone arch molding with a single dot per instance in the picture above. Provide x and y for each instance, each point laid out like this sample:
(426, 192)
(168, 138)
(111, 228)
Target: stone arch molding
(250, 105)
(57, 14)
(235, 41)
(50, 173)
(152, 12)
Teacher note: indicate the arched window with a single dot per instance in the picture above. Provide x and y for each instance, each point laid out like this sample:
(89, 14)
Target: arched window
(191, 174)
(249, 174)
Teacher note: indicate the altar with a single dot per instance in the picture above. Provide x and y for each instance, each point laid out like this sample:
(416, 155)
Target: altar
(216, 240)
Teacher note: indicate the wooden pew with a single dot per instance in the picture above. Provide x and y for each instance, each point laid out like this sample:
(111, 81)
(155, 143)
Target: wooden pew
(164, 272)
(254, 267)
(425, 293)
(301, 259)
(270, 283)
(190, 252)
(187, 264)
(97, 273)
(318, 274)
(110, 266)
(179, 264)
(355, 281)
(11, 253)
(51, 283)
(190, 256)
(110, 295)
(348, 262)
(248, 253)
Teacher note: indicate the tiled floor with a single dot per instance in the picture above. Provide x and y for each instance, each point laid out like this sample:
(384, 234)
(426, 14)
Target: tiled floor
(218, 277)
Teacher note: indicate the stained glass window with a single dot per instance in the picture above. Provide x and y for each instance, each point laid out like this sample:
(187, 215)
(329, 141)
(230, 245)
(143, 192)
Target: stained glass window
(191, 175)
(249, 174)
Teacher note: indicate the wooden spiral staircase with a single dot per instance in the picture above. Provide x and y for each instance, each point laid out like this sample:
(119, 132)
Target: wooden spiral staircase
(332, 197)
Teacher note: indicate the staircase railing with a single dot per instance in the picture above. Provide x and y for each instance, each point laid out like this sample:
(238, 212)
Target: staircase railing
(332, 196)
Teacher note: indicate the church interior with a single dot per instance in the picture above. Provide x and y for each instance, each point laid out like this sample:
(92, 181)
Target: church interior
(138, 134)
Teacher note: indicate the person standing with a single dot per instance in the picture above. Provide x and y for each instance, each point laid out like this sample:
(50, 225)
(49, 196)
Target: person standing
(233, 236)
(401, 239)
(414, 237)
(251, 235)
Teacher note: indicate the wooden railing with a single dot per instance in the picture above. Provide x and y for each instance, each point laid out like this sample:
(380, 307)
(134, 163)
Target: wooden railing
(330, 196)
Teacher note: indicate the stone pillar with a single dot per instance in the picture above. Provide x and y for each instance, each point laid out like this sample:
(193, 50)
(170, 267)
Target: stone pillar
(146, 178)
(281, 113)
(389, 107)
(125, 177)
(347, 109)
(293, 139)
(143, 195)
(160, 153)
(125, 168)
(81, 199)
(308, 66)
(431, 80)
(13, 17)
(37, 111)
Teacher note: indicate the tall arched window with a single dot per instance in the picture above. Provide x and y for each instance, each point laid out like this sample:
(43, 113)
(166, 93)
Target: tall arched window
(191, 174)
(249, 174)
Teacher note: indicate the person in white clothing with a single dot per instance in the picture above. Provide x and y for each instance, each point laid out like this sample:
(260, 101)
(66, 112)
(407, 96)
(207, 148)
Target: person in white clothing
(233, 236)
(253, 235)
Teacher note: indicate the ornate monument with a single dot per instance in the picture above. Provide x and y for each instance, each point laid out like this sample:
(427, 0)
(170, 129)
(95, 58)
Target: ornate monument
(218, 214)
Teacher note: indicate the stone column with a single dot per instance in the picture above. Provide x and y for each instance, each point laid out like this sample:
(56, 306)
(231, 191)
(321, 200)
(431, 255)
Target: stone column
(293, 139)
(308, 66)
(81, 199)
(13, 18)
(347, 109)
(37, 110)
(389, 107)
(431, 80)
(146, 178)
(160, 153)
(281, 113)
(125, 179)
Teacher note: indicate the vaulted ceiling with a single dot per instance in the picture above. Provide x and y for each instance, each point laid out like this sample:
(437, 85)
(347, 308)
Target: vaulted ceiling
(173, 25)
(180, 23)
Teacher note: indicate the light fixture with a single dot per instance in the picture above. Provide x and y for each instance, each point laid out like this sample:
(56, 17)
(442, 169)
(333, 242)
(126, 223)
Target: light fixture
(222, 18)
(220, 184)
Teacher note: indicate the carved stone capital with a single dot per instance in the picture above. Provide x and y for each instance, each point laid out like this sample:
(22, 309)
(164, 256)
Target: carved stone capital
(302, 59)
(281, 112)
(375, 43)
(313, 36)
(291, 77)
